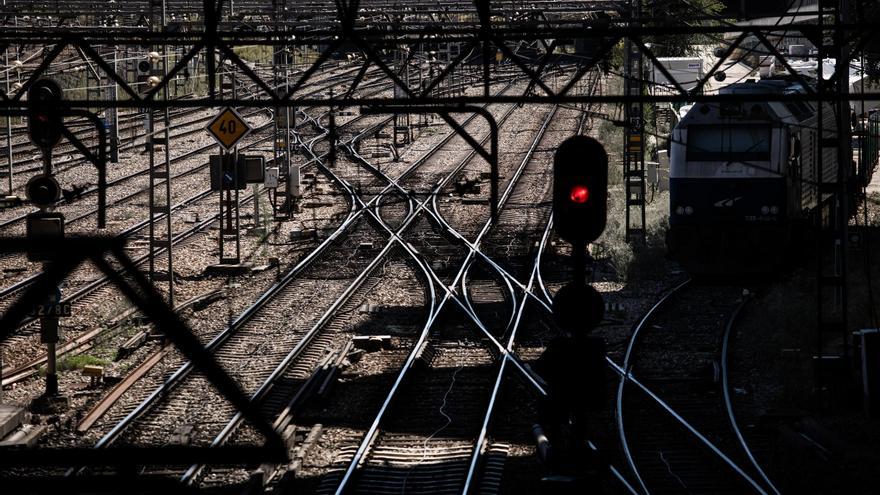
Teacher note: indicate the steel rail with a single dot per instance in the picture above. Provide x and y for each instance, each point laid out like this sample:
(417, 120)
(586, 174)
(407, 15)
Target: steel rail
(513, 180)
(268, 295)
(626, 366)
(18, 286)
(191, 473)
(475, 456)
(509, 279)
(473, 251)
(626, 375)
(728, 402)
(110, 402)
(244, 316)
(535, 276)
(82, 128)
(232, 328)
(516, 316)
(370, 435)
(188, 154)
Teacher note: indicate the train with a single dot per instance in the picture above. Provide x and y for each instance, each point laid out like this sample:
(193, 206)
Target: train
(743, 178)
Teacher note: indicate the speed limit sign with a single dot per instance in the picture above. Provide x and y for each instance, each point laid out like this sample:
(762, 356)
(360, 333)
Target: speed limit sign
(228, 127)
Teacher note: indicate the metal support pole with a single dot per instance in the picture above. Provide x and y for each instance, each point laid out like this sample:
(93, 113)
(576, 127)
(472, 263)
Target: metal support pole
(51, 367)
(8, 119)
(167, 119)
(832, 339)
(579, 263)
(229, 200)
(256, 193)
(292, 187)
(8, 134)
(114, 112)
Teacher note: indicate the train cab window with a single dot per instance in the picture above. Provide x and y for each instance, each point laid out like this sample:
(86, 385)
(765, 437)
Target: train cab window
(741, 143)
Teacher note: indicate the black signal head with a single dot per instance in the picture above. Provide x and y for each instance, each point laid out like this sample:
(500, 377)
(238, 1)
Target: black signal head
(580, 189)
(43, 190)
(578, 308)
(44, 118)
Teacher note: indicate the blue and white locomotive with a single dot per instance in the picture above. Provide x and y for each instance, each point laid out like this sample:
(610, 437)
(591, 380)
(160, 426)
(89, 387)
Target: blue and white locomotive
(743, 178)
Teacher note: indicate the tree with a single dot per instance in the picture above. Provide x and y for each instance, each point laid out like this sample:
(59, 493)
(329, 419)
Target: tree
(678, 13)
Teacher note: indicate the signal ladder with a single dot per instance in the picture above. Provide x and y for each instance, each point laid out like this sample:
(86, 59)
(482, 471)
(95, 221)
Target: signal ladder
(633, 139)
(833, 131)
(160, 173)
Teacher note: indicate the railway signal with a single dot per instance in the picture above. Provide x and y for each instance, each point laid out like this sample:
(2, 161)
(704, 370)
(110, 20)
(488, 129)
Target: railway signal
(573, 365)
(44, 117)
(580, 189)
(45, 228)
(580, 196)
(43, 190)
(578, 308)
(148, 73)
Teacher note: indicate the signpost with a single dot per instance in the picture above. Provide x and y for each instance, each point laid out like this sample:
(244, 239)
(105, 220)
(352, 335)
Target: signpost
(228, 128)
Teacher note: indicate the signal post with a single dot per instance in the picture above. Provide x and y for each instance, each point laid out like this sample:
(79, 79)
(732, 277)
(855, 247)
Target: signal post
(573, 365)
(231, 172)
(45, 127)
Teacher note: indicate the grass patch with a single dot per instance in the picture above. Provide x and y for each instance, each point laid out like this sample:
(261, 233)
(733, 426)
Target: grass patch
(635, 261)
(78, 362)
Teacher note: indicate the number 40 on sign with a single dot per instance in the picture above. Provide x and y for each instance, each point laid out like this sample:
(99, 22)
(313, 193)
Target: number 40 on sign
(228, 128)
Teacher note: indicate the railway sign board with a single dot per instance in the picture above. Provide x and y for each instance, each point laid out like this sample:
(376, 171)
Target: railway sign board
(52, 306)
(228, 128)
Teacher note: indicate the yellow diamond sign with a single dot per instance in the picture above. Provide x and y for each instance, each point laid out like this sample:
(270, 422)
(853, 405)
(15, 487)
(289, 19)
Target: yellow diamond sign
(228, 127)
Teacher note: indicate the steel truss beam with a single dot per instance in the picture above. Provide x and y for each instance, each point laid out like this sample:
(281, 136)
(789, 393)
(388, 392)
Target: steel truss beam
(371, 42)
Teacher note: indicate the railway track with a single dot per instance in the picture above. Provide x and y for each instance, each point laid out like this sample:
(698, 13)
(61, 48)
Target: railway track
(190, 475)
(84, 341)
(291, 274)
(70, 166)
(678, 351)
(414, 444)
(97, 289)
(128, 198)
(289, 278)
(247, 339)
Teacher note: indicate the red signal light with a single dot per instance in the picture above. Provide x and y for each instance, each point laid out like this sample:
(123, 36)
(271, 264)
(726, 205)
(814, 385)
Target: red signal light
(579, 194)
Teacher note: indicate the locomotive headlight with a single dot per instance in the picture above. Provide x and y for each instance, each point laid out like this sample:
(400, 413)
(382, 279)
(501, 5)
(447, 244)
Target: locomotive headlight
(774, 210)
(688, 210)
(680, 210)
(765, 210)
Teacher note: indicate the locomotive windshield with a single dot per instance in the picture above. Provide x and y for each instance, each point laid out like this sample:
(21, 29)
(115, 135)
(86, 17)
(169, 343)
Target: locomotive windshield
(739, 143)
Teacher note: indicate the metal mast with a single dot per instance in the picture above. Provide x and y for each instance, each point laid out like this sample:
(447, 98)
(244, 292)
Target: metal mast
(634, 135)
